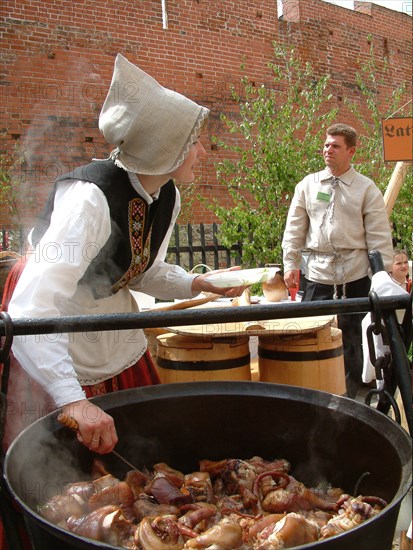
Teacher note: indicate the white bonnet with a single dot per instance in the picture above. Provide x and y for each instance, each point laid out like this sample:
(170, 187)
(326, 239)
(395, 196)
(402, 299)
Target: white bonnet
(152, 127)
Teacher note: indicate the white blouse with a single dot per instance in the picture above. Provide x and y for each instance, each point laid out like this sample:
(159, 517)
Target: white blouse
(48, 287)
(402, 285)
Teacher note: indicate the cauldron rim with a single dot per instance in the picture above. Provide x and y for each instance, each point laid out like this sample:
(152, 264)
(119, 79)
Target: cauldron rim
(391, 431)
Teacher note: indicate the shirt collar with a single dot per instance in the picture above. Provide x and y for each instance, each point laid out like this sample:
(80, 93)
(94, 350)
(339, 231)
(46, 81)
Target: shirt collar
(136, 184)
(347, 178)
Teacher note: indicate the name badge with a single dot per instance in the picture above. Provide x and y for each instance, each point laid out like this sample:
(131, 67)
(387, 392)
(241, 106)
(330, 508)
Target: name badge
(323, 196)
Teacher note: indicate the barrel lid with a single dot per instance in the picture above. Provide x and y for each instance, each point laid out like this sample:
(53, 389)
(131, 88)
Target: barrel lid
(198, 341)
(298, 325)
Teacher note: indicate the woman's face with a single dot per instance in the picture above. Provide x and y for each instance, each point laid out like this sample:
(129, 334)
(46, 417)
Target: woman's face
(185, 173)
(400, 267)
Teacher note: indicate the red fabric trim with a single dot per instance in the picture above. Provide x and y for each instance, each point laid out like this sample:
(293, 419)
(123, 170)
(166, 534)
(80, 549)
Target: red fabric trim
(142, 373)
(11, 282)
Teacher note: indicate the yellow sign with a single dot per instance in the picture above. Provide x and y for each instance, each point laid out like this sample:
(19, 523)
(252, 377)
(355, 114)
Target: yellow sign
(397, 139)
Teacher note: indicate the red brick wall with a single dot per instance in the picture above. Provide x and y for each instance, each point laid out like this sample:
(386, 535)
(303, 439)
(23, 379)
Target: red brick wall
(57, 61)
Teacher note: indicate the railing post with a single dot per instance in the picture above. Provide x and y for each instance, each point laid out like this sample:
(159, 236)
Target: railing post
(190, 247)
(203, 243)
(215, 245)
(177, 248)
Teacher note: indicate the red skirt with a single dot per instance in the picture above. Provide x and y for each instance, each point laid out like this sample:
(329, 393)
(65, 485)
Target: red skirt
(35, 403)
(142, 373)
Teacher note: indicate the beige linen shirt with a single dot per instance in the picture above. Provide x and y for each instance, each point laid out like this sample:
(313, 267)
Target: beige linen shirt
(337, 226)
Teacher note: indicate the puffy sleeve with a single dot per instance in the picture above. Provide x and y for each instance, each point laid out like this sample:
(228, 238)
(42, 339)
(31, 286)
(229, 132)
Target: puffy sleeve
(80, 226)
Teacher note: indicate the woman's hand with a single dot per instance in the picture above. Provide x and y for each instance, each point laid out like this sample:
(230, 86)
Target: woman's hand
(201, 284)
(96, 428)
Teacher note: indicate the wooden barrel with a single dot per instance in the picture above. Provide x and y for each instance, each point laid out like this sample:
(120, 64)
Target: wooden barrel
(152, 339)
(310, 360)
(199, 359)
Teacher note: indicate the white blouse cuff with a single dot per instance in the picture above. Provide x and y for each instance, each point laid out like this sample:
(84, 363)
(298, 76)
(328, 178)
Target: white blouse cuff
(66, 391)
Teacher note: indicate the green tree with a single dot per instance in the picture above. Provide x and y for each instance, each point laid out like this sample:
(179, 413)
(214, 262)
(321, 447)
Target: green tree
(370, 154)
(14, 199)
(276, 140)
(10, 193)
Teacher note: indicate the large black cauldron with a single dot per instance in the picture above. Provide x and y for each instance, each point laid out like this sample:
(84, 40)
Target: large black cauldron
(325, 437)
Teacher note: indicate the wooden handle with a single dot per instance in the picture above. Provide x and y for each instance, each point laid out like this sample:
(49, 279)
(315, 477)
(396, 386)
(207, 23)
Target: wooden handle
(68, 421)
(394, 186)
(209, 297)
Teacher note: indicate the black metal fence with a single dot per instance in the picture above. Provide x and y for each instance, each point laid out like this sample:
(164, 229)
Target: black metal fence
(190, 245)
(199, 244)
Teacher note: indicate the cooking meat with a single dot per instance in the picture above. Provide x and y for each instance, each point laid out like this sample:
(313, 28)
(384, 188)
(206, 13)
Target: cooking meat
(230, 504)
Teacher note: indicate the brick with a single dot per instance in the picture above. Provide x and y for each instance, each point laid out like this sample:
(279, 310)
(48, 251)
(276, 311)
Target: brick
(57, 61)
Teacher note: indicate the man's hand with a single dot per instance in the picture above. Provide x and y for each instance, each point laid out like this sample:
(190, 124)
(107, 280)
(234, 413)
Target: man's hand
(291, 279)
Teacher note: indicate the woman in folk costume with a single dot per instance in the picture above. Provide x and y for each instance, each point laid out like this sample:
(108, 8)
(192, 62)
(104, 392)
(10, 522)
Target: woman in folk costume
(105, 230)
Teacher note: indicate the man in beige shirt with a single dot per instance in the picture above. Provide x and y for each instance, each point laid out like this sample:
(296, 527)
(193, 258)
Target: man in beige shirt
(338, 215)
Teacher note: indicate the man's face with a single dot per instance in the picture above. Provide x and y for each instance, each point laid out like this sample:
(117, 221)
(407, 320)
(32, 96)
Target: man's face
(337, 155)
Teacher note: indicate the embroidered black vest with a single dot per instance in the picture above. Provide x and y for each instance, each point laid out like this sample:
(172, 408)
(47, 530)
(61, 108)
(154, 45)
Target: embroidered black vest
(137, 230)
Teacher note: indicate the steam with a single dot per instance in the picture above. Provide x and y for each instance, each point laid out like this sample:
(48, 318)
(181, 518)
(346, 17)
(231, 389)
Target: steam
(26, 402)
(52, 112)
